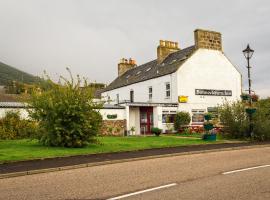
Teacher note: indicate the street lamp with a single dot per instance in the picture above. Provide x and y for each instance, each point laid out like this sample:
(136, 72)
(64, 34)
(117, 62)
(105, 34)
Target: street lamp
(248, 52)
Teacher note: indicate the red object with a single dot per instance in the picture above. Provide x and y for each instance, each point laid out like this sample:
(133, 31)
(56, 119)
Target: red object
(146, 119)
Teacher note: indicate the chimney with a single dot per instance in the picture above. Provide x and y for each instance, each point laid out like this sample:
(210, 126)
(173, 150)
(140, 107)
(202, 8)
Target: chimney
(207, 39)
(165, 48)
(125, 65)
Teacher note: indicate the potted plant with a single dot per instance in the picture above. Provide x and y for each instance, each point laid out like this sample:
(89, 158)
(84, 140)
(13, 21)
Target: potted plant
(156, 131)
(250, 110)
(208, 126)
(132, 129)
(254, 98)
(245, 96)
(208, 116)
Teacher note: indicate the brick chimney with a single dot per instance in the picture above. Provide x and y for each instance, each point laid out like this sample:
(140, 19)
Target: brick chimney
(165, 48)
(125, 65)
(207, 39)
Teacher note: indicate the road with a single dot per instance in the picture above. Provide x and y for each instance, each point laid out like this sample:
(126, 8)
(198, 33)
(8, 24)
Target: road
(236, 174)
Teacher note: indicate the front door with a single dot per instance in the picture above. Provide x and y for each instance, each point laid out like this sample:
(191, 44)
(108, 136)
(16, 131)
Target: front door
(146, 119)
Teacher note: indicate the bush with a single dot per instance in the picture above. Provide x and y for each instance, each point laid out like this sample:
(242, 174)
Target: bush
(66, 113)
(156, 131)
(262, 120)
(234, 119)
(13, 127)
(181, 119)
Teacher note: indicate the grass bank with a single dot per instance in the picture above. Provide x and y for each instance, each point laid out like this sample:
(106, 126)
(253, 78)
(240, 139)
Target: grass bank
(15, 150)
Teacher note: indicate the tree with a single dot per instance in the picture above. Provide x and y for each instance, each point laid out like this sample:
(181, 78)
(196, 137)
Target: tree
(66, 114)
(181, 119)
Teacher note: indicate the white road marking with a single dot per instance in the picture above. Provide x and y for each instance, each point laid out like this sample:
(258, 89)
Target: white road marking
(143, 191)
(245, 169)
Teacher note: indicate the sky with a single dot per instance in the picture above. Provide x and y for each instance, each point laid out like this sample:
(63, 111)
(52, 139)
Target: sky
(90, 36)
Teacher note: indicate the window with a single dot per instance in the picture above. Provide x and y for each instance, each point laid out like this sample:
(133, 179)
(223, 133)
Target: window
(150, 92)
(198, 115)
(117, 98)
(168, 90)
(168, 118)
(131, 96)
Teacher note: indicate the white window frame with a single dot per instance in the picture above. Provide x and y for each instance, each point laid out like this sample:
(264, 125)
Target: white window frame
(167, 90)
(150, 94)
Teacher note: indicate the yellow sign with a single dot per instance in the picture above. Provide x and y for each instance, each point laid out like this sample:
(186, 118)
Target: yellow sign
(182, 99)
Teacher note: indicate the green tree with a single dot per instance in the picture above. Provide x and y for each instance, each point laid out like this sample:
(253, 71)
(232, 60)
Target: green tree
(234, 119)
(67, 115)
(181, 119)
(262, 120)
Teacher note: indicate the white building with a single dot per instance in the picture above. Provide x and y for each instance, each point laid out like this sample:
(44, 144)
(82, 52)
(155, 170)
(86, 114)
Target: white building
(195, 79)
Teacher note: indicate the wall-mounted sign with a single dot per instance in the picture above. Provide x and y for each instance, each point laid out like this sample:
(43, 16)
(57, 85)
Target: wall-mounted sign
(182, 99)
(209, 92)
(114, 116)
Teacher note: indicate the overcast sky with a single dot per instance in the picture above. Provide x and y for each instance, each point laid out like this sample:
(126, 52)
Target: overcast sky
(91, 36)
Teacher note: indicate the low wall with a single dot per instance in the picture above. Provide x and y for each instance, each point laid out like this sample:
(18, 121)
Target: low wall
(113, 127)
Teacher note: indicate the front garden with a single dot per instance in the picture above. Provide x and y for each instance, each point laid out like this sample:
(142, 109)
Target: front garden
(26, 149)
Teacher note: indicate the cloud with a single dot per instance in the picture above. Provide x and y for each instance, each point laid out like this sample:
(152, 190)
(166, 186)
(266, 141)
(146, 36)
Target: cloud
(91, 36)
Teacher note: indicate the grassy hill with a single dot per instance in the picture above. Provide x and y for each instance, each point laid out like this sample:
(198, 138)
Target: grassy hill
(8, 73)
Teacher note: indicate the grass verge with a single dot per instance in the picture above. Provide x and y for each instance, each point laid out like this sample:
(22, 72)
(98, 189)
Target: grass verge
(16, 150)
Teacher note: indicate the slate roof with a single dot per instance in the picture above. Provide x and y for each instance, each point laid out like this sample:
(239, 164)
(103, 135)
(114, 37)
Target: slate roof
(152, 69)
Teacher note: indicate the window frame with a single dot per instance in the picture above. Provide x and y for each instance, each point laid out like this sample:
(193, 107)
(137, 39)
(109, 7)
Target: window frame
(131, 96)
(167, 90)
(150, 93)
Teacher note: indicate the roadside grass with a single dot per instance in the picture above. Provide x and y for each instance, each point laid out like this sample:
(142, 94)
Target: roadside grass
(16, 150)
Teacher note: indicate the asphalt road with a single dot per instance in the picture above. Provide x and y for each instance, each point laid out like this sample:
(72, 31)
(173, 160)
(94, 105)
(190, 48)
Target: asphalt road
(197, 176)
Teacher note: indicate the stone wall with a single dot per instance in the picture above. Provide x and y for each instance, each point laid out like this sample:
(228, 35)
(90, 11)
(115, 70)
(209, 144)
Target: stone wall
(208, 39)
(113, 127)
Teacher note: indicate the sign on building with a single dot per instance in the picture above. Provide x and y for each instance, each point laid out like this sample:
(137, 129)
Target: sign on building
(182, 99)
(210, 92)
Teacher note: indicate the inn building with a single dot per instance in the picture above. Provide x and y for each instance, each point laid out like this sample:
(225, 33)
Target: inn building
(195, 79)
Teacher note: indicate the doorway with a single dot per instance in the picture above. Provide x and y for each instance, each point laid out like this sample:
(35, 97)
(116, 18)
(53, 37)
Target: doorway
(146, 120)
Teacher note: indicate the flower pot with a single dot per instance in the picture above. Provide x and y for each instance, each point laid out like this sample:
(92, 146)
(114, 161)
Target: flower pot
(210, 137)
(250, 110)
(208, 127)
(245, 97)
(207, 117)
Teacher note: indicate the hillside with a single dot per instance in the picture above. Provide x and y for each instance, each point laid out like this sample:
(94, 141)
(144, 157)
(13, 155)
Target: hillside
(8, 73)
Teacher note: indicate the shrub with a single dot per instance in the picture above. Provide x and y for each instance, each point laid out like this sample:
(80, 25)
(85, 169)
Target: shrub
(13, 127)
(234, 119)
(181, 119)
(156, 131)
(66, 113)
(262, 120)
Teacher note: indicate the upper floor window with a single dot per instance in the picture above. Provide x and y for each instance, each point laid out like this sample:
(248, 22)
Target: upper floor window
(150, 92)
(131, 96)
(168, 90)
(117, 98)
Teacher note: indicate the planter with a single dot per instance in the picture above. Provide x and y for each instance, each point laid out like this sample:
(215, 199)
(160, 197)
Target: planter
(254, 98)
(245, 97)
(208, 127)
(210, 137)
(207, 117)
(250, 110)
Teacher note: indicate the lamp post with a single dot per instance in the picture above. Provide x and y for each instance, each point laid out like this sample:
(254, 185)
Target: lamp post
(248, 52)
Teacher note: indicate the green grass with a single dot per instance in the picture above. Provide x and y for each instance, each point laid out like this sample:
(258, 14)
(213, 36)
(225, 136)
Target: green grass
(15, 150)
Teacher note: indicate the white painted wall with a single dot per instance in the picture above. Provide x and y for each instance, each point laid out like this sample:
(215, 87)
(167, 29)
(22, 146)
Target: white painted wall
(134, 119)
(121, 114)
(141, 91)
(207, 69)
(22, 111)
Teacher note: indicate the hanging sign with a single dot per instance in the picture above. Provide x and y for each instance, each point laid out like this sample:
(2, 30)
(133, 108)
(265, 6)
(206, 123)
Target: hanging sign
(182, 99)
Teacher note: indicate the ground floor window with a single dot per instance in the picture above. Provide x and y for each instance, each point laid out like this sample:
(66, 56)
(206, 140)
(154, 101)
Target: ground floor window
(168, 118)
(198, 115)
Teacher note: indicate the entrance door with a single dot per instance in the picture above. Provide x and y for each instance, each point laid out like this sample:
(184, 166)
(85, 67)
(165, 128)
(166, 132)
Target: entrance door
(146, 119)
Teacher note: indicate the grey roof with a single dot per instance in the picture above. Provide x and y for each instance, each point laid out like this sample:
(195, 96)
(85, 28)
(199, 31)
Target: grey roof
(151, 69)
